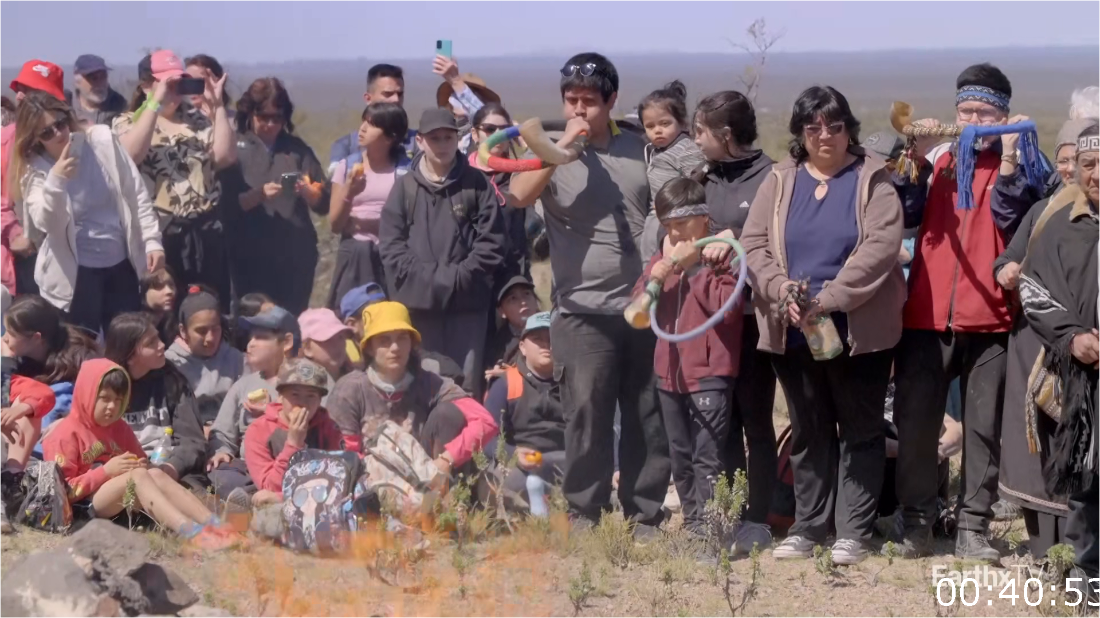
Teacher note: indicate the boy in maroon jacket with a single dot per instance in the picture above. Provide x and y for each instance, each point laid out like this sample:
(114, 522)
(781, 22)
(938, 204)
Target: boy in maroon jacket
(695, 378)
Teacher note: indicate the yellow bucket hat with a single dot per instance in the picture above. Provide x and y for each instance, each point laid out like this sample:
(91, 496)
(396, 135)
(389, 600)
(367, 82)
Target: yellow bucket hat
(386, 317)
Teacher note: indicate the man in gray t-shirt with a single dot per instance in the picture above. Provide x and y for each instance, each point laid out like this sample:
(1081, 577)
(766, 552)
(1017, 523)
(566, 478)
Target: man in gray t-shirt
(595, 209)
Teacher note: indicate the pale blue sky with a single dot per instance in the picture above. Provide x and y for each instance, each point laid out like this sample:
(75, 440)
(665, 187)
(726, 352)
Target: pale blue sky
(278, 31)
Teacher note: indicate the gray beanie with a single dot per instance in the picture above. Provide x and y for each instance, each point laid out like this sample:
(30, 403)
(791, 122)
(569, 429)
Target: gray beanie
(1071, 130)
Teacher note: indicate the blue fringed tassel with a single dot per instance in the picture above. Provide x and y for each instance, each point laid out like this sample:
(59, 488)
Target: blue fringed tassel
(1032, 163)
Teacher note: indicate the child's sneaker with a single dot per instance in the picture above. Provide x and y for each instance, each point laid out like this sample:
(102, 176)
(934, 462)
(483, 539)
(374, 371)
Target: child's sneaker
(794, 547)
(215, 539)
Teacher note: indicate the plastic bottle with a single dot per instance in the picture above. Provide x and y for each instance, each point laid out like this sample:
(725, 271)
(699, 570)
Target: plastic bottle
(536, 495)
(163, 449)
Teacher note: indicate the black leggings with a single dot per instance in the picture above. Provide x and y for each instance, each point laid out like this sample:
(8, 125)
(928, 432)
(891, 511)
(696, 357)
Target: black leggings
(102, 293)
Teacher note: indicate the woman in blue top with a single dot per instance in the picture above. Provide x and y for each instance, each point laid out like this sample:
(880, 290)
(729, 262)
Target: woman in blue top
(829, 216)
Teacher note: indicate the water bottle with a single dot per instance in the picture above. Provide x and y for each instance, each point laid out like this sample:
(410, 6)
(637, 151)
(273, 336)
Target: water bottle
(164, 447)
(536, 495)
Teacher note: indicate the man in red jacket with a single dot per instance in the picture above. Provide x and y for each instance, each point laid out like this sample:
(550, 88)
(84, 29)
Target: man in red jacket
(957, 318)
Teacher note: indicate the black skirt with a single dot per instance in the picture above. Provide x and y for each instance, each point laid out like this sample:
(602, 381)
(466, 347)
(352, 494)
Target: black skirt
(358, 262)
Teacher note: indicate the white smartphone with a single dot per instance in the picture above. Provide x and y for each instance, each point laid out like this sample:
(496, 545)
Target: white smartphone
(76, 143)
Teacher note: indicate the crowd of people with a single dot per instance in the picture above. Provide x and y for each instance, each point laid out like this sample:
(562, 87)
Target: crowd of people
(161, 258)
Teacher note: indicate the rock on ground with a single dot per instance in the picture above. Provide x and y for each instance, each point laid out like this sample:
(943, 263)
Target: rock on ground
(102, 571)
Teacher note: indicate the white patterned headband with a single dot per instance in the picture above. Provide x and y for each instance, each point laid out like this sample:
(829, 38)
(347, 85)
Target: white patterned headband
(1088, 143)
(691, 210)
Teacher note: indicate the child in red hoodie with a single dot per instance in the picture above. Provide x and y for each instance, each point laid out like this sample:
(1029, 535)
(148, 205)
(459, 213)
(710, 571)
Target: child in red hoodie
(294, 422)
(696, 377)
(100, 456)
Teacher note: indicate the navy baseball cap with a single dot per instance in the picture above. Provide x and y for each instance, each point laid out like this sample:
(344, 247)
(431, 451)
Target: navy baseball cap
(275, 319)
(89, 63)
(357, 298)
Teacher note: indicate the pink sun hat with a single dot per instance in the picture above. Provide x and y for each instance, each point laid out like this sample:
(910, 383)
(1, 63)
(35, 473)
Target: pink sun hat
(320, 325)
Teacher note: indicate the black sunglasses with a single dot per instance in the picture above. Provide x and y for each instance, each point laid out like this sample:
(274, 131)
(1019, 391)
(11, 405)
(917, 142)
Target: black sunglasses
(51, 131)
(492, 128)
(587, 69)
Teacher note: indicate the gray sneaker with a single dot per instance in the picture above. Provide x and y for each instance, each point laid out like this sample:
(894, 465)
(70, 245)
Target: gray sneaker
(794, 547)
(848, 552)
(970, 545)
(751, 534)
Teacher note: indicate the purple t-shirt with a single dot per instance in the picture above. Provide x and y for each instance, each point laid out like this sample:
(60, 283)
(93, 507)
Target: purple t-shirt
(367, 206)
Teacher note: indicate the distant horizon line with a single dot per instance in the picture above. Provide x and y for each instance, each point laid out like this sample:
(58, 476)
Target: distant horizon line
(547, 54)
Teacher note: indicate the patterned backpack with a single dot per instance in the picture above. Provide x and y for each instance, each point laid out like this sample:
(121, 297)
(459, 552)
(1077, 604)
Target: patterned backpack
(45, 504)
(323, 500)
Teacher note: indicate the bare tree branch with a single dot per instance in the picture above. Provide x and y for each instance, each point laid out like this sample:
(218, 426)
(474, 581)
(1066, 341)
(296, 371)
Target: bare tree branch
(761, 41)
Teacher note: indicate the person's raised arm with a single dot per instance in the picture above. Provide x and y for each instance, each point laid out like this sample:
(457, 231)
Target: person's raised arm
(224, 146)
(526, 188)
(135, 132)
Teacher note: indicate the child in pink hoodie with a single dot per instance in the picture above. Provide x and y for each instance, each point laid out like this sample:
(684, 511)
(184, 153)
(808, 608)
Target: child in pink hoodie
(100, 457)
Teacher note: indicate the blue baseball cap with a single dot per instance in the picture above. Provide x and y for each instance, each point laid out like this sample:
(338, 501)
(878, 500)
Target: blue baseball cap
(357, 298)
(537, 321)
(89, 63)
(275, 319)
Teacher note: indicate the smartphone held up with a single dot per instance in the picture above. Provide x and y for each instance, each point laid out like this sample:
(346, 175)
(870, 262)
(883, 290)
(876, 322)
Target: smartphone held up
(443, 48)
(190, 86)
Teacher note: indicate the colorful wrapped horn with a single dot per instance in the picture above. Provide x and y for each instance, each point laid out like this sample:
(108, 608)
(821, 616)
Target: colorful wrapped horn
(504, 164)
(549, 153)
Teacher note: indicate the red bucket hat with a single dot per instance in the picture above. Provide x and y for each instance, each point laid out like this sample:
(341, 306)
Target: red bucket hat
(41, 75)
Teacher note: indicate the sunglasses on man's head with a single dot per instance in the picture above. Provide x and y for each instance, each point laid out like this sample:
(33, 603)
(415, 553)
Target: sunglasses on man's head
(51, 131)
(587, 69)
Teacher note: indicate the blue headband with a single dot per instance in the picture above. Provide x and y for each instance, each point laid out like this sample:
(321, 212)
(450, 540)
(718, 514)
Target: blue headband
(985, 95)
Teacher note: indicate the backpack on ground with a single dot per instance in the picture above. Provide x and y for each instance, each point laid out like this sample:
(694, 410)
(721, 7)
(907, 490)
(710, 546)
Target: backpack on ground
(45, 499)
(322, 504)
(399, 470)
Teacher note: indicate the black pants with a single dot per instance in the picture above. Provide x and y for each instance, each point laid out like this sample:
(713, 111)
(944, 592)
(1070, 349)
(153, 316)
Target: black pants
(231, 476)
(926, 363)
(838, 447)
(24, 274)
(275, 256)
(1081, 526)
(102, 293)
(550, 471)
(697, 425)
(195, 252)
(751, 423)
(460, 336)
(600, 361)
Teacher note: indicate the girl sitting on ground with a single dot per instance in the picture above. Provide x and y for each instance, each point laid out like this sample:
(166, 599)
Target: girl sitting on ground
(210, 365)
(100, 458)
(47, 350)
(158, 299)
(160, 398)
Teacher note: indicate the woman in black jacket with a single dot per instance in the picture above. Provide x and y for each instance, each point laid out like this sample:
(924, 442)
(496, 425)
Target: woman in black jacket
(725, 130)
(159, 398)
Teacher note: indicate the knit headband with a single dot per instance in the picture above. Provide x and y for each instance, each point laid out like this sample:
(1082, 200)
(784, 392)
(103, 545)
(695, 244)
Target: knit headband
(982, 94)
(1088, 143)
(197, 301)
(692, 210)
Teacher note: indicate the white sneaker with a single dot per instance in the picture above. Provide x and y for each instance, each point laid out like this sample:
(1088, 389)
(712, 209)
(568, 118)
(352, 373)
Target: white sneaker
(848, 552)
(751, 534)
(794, 547)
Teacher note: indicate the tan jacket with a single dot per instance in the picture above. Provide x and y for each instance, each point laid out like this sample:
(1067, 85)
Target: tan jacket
(870, 287)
